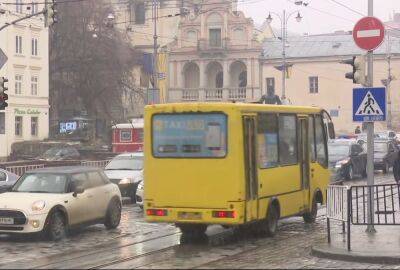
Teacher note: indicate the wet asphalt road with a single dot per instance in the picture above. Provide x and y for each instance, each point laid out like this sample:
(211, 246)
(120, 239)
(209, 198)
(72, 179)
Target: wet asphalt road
(137, 244)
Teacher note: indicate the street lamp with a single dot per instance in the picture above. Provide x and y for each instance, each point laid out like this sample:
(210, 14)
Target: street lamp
(284, 20)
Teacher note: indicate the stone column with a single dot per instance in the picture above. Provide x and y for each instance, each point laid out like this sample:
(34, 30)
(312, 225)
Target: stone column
(180, 77)
(203, 80)
(226, 85)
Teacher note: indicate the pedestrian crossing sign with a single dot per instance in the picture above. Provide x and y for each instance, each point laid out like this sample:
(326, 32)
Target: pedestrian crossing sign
(369, 104)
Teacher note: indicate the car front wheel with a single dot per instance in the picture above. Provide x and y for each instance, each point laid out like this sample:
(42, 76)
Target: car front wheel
(113, 216)
(57, 228)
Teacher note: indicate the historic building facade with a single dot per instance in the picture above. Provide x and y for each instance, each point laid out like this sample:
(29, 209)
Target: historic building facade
(215, 56)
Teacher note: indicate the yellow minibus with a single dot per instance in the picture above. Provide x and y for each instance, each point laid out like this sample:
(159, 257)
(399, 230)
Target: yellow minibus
(234, 164)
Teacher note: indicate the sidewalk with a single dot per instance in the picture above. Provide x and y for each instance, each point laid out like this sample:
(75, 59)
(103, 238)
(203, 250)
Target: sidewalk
(383, 247)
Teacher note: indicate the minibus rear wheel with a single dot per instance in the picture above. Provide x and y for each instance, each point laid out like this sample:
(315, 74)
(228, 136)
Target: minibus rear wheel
(192, 230)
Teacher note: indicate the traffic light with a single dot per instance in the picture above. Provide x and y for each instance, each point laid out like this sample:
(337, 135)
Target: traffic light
(3, 95)
(358, 74)
(51, 13)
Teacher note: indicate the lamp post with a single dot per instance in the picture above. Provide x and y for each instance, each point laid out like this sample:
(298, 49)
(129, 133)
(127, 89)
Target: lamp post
(284, 20)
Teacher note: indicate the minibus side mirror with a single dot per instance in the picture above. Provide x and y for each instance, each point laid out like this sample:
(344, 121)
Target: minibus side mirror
(331, 130)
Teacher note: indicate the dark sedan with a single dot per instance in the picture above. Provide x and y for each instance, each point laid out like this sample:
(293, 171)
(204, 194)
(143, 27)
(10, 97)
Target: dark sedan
(385, 154)
(7, 180)
(346, 159)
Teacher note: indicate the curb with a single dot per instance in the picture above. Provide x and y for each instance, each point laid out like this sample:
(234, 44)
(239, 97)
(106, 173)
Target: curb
(334, 253)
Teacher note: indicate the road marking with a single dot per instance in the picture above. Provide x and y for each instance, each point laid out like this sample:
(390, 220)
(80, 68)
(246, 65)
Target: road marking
(369, 33)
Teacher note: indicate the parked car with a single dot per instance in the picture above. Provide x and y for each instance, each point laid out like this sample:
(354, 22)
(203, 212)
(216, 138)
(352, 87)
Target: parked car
(346, 159)
(385, 154)
(60, 153)
(7, 180)
(50, 201)
(362, 138)
(386, 135)
(124, 170)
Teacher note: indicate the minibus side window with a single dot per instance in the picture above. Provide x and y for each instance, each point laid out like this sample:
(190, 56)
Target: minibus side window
(287, 139)
(311, 138)
(267, 140)
(320, 145)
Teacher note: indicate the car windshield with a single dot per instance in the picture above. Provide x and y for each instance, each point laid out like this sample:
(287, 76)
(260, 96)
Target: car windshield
(126, 163)
(41, 183)
(380, 147)
(338, 150)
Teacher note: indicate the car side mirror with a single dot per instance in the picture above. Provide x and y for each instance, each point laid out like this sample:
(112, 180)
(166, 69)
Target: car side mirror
(78, 190)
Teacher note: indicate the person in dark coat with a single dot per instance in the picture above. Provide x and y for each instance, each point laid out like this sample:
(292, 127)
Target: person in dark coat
(270, 98)
(358, 130)
(396, 169)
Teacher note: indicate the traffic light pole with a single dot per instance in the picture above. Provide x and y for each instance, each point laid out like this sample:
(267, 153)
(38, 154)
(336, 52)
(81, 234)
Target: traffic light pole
(370, 138)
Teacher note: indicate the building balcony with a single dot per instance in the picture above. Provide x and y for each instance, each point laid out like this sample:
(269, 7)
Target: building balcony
(205, 45)
(240, 94)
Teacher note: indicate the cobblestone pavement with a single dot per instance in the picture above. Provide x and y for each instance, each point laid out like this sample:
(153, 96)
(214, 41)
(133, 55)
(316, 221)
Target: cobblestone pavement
(289, 249)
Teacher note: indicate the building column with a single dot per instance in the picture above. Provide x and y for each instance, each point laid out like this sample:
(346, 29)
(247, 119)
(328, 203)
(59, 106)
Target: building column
(203, 80)
(180, 77)
(250, 79)
(227, 81)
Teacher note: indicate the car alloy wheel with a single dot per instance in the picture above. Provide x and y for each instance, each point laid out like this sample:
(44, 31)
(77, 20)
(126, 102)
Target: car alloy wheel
(113, 217)
(57, 228)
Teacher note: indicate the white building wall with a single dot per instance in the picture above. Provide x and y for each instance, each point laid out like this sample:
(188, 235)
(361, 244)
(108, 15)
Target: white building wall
(25, 104)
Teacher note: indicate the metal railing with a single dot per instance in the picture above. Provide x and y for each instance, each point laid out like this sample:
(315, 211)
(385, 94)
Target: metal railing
(338, 208)
(386, 205)
(95, 163)
(20, 170)
(242, 94)
(350, 205)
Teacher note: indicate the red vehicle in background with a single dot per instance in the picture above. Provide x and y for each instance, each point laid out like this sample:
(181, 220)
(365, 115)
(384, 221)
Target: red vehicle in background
(128, 137)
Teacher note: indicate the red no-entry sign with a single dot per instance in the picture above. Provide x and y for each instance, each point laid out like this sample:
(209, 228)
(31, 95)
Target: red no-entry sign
(368, 33)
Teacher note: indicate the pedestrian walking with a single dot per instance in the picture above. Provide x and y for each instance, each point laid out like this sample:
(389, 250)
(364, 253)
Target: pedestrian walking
(358, 130)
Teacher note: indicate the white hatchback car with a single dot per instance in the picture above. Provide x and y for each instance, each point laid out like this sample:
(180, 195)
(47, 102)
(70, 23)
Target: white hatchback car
(124, 171)
(52, 200)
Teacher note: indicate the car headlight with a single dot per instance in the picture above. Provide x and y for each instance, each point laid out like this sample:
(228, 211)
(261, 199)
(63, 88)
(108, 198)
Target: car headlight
(38, 205)
(342, 162)
(126, 180)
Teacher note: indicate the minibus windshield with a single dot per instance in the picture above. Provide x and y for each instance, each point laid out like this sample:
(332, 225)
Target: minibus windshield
(201, 135)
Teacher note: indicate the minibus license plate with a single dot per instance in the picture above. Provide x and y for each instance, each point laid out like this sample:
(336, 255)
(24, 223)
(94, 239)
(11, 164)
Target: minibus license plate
(7, 221)
(189, 215)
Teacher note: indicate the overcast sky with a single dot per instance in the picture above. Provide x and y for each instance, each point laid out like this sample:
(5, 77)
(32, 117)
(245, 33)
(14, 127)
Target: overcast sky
(316, 22)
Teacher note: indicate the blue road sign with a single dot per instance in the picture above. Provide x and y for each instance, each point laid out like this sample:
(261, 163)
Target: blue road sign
(369, 104)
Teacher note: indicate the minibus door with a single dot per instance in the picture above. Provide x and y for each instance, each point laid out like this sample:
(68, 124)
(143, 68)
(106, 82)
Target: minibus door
(250, 167)
(304, 161)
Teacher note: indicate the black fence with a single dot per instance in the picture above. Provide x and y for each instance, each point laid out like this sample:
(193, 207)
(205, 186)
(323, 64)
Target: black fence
(350, 205)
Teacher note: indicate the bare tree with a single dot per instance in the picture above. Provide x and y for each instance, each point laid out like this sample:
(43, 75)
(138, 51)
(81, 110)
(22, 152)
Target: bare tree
(90, 62)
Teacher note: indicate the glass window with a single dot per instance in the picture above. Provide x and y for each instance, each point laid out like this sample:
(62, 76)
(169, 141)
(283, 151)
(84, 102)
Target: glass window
(126, 136)
(18, 125)
(126, 163)
(41, 183)
(34, 126)
(18, 84)
(270, 85)
(313, 84)
(190, 135)
(18, 44)
(2, 123)
(320, 141)
(311, 138)
(18, 6)
(3, 176)
(287, 139)
(95, 179)
(140, 13)
(215, 37)
(140, 135)
(79, 180)
(34, 46)
(34, 85)
(267, 140)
